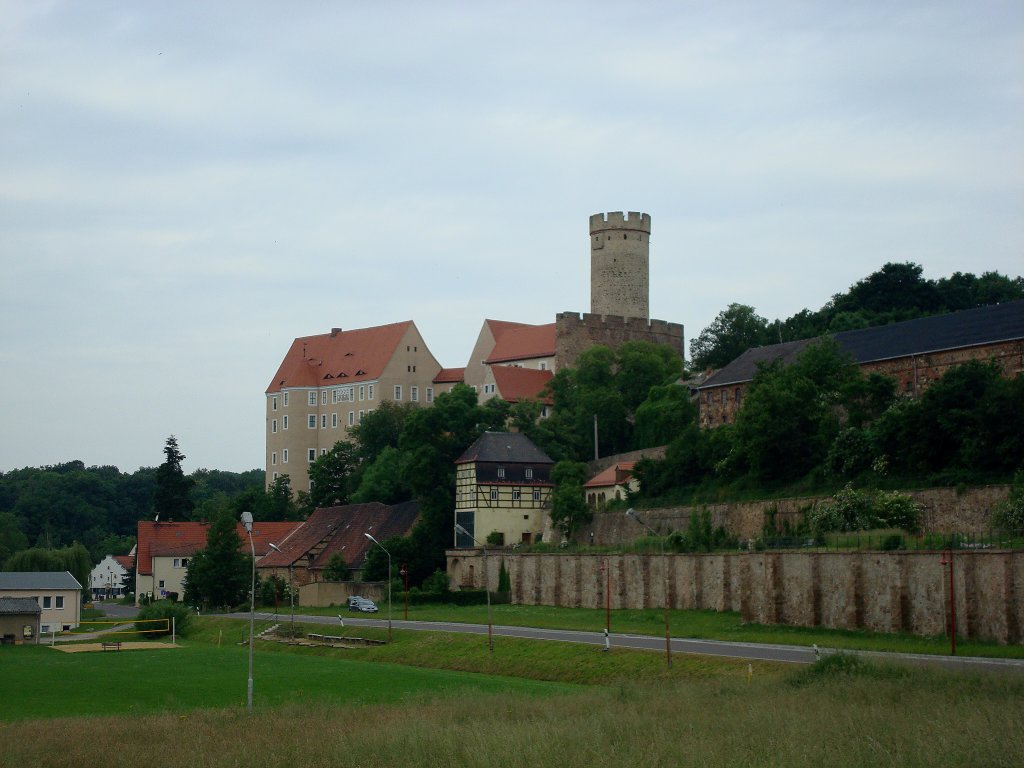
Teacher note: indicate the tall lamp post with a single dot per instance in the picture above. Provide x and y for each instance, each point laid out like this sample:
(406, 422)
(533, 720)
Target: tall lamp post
(631, 513)
(487, 586)
(291, 592)
(403, 571)
(389, 580)
(247, 522)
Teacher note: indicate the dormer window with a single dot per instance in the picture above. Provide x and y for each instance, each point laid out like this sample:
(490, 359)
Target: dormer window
(501, 473)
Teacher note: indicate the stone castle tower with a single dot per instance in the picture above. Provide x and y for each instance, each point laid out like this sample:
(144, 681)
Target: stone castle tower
(619, 264)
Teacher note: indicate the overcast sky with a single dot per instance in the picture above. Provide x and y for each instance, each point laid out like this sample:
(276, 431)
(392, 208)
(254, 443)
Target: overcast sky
(186, 187)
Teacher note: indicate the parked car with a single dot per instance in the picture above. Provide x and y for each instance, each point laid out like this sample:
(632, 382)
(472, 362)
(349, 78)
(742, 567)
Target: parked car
(352, 600)
(362, 605)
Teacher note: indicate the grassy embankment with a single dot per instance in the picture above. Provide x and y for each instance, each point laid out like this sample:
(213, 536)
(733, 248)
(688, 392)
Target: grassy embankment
(329, 707)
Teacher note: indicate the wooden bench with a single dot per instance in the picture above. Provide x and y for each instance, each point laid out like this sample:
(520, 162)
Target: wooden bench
(111, 646)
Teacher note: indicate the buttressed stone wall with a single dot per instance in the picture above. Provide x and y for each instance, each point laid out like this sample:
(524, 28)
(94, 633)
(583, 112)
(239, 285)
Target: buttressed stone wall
(880, 591)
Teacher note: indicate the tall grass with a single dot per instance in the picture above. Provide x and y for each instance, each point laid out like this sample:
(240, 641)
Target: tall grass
(839, 716)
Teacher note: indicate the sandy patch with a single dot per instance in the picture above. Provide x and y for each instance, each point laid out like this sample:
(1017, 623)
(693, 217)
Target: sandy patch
(133, 646)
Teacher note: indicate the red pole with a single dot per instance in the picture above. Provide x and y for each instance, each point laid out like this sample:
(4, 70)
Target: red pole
(952, 606)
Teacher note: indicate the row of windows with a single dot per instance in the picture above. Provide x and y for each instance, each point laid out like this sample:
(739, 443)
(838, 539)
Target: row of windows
(414, 394)
(737, 395)
(337, 395)
(50, 601)
(310, 455)
(349, 394)
(311, 420)
(517, 495)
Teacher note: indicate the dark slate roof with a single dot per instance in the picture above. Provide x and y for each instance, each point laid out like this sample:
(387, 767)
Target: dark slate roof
(38, 580)
(9, 605)
(504, 446)
(925, 335)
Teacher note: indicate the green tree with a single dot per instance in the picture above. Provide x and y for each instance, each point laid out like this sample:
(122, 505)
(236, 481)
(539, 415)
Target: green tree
(219, 574)
(569, 509)
(337, 569)
(171, 498)
(734, 331)
(330, 476)
(11, 537)
(668, 412)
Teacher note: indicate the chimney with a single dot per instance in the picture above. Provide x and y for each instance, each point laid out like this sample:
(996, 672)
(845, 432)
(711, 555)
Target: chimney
(335, 332)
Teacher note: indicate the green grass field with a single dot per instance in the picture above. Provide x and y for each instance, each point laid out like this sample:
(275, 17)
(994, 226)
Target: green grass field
(333, 707)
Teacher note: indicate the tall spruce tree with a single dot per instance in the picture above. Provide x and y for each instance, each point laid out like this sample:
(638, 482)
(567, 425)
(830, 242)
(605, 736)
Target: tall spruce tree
(171, 497)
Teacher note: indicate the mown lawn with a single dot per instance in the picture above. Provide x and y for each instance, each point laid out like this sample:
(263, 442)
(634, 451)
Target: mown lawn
(41, 682)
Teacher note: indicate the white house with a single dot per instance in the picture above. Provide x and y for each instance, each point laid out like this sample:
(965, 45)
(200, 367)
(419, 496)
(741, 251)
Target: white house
(58, 594)
(109, 578)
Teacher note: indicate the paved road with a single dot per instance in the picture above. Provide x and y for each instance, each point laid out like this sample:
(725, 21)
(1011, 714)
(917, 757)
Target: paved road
(793, 654)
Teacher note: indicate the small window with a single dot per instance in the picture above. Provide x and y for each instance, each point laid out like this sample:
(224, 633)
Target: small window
(362, 392)
(323, 421)
(536, 494)
(58, 602)
(360, 418)
(312, 420)
(273, 403)
(311, 454)
(312, 398)
(516, 494)
(707, 398)
(528, 473)
(284, 422)
(543, 365)
(430, 394)
(273, 426)
(494, 494)
(334, 420)
(184, 562)
(398, 391)
(501, 473)
(738, 394)
(286, 399)
(414, 394)
(47, 601)
(323, 397)
(284, 456)
(369, 391)
(351, 418)
(273, 459)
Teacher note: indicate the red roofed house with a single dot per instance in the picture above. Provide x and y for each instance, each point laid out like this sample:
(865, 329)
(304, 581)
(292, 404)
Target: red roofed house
(611, 484)
(327, 383)
(164, 549)
(501, 349)
(308, 549)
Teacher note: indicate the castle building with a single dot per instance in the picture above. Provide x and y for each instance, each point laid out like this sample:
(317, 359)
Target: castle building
(327, 383)
(915, 353)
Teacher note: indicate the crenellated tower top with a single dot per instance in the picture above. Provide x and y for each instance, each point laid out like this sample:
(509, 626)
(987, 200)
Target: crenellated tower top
(633, 221)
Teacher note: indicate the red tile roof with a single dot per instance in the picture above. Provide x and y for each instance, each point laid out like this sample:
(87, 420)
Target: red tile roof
(450, 376)
(157, 539)
(523, 342)
(339, 357)
(616, 474)
(515, 384)
(341, 529)
(125, 561)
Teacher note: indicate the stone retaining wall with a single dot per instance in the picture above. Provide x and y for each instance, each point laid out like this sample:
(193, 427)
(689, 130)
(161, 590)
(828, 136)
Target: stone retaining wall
(881, 591)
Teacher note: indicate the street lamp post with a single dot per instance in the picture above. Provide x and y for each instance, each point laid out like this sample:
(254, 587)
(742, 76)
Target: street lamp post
(247, 522)
(631, 513)
(389, 580)
(487, 586)
(291, 593)
(403, 571)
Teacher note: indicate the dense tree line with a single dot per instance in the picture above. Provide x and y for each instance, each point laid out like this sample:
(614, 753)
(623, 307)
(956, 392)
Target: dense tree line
(56, 506)
(821, 421)
(894, 293)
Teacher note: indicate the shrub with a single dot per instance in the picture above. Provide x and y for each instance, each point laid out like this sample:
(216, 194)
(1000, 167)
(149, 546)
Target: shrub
(179, 613)
(855, 510)
(436, 583)
(897, 510)
(1009, 514)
